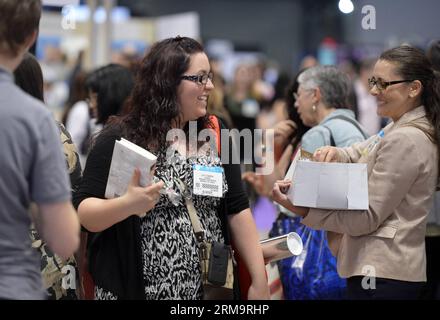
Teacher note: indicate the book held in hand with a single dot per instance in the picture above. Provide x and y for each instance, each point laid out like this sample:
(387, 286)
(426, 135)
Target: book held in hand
(128, 156)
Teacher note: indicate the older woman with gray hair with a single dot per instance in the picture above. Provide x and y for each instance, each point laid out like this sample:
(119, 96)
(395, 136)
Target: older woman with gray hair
(382, 250)
(322, 103)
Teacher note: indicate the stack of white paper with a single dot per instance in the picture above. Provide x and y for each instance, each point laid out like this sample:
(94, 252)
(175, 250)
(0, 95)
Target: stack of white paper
(328, 185)
(128, 156)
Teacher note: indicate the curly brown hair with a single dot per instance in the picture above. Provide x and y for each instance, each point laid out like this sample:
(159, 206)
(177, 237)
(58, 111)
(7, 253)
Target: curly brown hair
(152, 107)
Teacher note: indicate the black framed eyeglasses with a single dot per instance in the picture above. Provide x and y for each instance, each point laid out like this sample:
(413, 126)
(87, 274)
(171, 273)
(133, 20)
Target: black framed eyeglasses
(381, 84)
(201, 79)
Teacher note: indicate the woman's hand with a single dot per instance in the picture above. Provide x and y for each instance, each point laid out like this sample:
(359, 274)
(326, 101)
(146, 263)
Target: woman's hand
(326, 154)
(139, 199)
(279, 195)
(256, 181)
(284, 132)
(246, 241)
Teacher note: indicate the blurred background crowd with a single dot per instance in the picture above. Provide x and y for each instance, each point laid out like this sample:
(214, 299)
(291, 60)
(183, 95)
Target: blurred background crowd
(90, 52)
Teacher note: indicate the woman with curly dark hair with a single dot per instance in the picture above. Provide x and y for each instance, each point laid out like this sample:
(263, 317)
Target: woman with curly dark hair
(156, 256)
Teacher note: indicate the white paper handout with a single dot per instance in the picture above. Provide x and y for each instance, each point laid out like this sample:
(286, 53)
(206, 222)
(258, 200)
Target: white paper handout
(342, 186)
(128, 156)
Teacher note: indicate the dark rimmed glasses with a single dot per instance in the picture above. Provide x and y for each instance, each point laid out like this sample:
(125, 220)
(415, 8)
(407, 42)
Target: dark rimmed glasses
(201, 79)
(381, 85)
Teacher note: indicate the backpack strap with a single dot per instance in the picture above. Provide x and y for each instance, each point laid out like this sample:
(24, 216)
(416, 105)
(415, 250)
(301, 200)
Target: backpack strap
(332, 140)
(352, 121)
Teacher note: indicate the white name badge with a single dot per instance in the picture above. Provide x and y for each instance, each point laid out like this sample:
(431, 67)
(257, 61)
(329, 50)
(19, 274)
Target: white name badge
(208, 181)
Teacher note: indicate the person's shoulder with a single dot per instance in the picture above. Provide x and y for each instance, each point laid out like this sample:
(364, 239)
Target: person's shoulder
(342, 116)
(80, 107)
(111, 131)
(107, 136)
(30, 112)
(417, 133)
(26, 105)
(314, 138)
(345, 123)
(413, 138)
(318, 130)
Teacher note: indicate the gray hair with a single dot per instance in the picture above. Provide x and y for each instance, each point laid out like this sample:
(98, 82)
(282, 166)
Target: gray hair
(334, 85)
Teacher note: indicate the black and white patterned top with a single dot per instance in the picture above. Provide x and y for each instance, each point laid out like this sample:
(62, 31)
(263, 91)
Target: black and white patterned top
(171, 265)
(155, 257)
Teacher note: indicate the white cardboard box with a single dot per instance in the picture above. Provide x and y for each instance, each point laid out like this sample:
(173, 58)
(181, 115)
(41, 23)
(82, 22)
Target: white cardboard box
(342, 186)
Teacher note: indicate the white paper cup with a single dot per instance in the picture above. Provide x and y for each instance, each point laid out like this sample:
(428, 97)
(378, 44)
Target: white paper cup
(294, 243)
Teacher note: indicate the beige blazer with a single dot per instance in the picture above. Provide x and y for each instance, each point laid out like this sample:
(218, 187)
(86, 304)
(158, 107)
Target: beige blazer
(388, 240)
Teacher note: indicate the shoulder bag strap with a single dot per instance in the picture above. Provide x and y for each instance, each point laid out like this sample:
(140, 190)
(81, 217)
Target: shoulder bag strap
(195, 222)
(353, 122)
(332, 140)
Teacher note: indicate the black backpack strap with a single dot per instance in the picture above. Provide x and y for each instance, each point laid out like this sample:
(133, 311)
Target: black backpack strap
(332, 140)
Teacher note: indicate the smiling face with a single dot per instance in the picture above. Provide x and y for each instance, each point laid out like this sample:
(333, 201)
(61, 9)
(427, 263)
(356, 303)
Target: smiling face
(191, 95)
(396, 99)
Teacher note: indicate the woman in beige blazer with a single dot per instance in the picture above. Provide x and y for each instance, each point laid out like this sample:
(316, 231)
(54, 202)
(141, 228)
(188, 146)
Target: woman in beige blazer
(381, 251)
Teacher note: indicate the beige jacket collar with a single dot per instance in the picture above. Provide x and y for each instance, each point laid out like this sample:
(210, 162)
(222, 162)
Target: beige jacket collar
(410, 116)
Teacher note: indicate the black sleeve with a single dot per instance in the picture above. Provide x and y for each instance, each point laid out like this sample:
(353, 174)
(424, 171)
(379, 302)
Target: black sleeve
(236, 198)
(97, 168)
